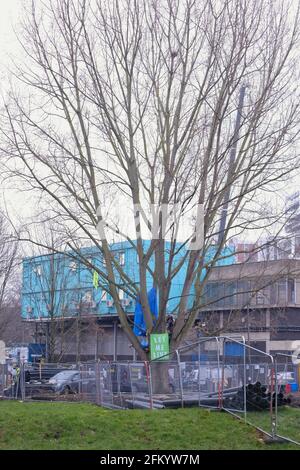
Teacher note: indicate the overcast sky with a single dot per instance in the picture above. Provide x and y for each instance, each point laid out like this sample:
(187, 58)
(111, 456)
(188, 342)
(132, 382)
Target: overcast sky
(9, 16)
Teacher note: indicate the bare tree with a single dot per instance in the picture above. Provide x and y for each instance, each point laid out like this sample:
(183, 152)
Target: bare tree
(9, 278)
(132, 105)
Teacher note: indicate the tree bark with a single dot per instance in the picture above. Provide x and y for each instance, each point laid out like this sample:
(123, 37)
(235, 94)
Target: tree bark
(161, 380)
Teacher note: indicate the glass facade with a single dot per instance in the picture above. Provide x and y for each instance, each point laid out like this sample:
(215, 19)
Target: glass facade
(243, 293)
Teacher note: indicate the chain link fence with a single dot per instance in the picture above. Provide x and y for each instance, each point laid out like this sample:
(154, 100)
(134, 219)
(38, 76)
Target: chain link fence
(217, 373)
(39, 381)
(5, 378)
(226, 373)
(287, 375)
(249, 391)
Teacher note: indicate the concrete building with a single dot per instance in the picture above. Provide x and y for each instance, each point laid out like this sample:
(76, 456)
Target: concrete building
(259, 300)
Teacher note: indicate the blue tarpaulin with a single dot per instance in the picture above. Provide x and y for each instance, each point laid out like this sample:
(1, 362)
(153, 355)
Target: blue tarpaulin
(36, 351)
(140, 328)
(234, 349)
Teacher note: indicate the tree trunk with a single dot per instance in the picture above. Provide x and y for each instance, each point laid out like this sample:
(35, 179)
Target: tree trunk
(162, 382)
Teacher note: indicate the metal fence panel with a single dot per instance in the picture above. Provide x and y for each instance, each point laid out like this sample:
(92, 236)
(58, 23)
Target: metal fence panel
(287, 373)
(87, 388)
(200, 373)
(220, 372)
(106, 385)
(249, 390)
(55, 382)
(5, 378)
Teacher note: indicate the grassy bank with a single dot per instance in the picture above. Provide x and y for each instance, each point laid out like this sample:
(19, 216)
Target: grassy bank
(85, 426)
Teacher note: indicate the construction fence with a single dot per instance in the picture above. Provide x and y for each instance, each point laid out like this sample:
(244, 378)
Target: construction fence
(219, 373)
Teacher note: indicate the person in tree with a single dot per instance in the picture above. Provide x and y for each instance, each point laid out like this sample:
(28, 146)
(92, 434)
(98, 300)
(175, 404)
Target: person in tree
(170, 325)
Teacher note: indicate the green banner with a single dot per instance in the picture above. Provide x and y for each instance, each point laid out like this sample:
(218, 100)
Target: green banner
(95, 279)
(159, 346)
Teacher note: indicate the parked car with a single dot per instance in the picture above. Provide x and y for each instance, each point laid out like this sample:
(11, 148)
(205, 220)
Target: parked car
(63, 382)
(42, 374)
(71, 381)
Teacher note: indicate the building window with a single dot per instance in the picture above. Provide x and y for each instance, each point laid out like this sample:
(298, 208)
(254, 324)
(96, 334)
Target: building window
(122, 259)
(29, 311)
(222, 291)
(38, 270)
(291, 291)
(260, 297)
(297, 247)
(243, 293)
(73, 266)
(263, 295)
(87, 298)
(273, 293)
(282, 292)
(230, 299)
(215, 294)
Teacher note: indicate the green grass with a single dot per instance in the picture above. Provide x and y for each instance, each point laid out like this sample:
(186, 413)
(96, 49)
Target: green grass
(84, 426)
(288, 422)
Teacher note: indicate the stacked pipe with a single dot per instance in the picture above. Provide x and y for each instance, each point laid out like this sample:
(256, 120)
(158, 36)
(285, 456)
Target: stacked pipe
(257, 398)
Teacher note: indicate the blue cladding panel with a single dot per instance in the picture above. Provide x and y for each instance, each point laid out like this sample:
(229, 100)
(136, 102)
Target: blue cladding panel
(68, 282)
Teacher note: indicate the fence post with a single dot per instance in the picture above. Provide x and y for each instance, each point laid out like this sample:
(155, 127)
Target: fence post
(245, 378)
(180, 378)
(199, 373)
(274, 425)
(298, 376)
(111, 382)
(80, 381)
(17, 381)
(131, 384)
(271, 399)
(22, 381)
(149, 381)
(98, 385)
(221, 386)
(118, 375)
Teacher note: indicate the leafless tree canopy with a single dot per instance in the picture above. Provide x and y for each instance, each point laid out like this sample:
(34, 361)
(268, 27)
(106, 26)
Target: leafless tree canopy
(135, 102)
(9, 279)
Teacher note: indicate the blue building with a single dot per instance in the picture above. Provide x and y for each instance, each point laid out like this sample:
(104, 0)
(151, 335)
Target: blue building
(57, 286)
(66, 283)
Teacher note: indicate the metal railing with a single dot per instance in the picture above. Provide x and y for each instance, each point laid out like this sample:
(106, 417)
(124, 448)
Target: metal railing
(219, 372)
